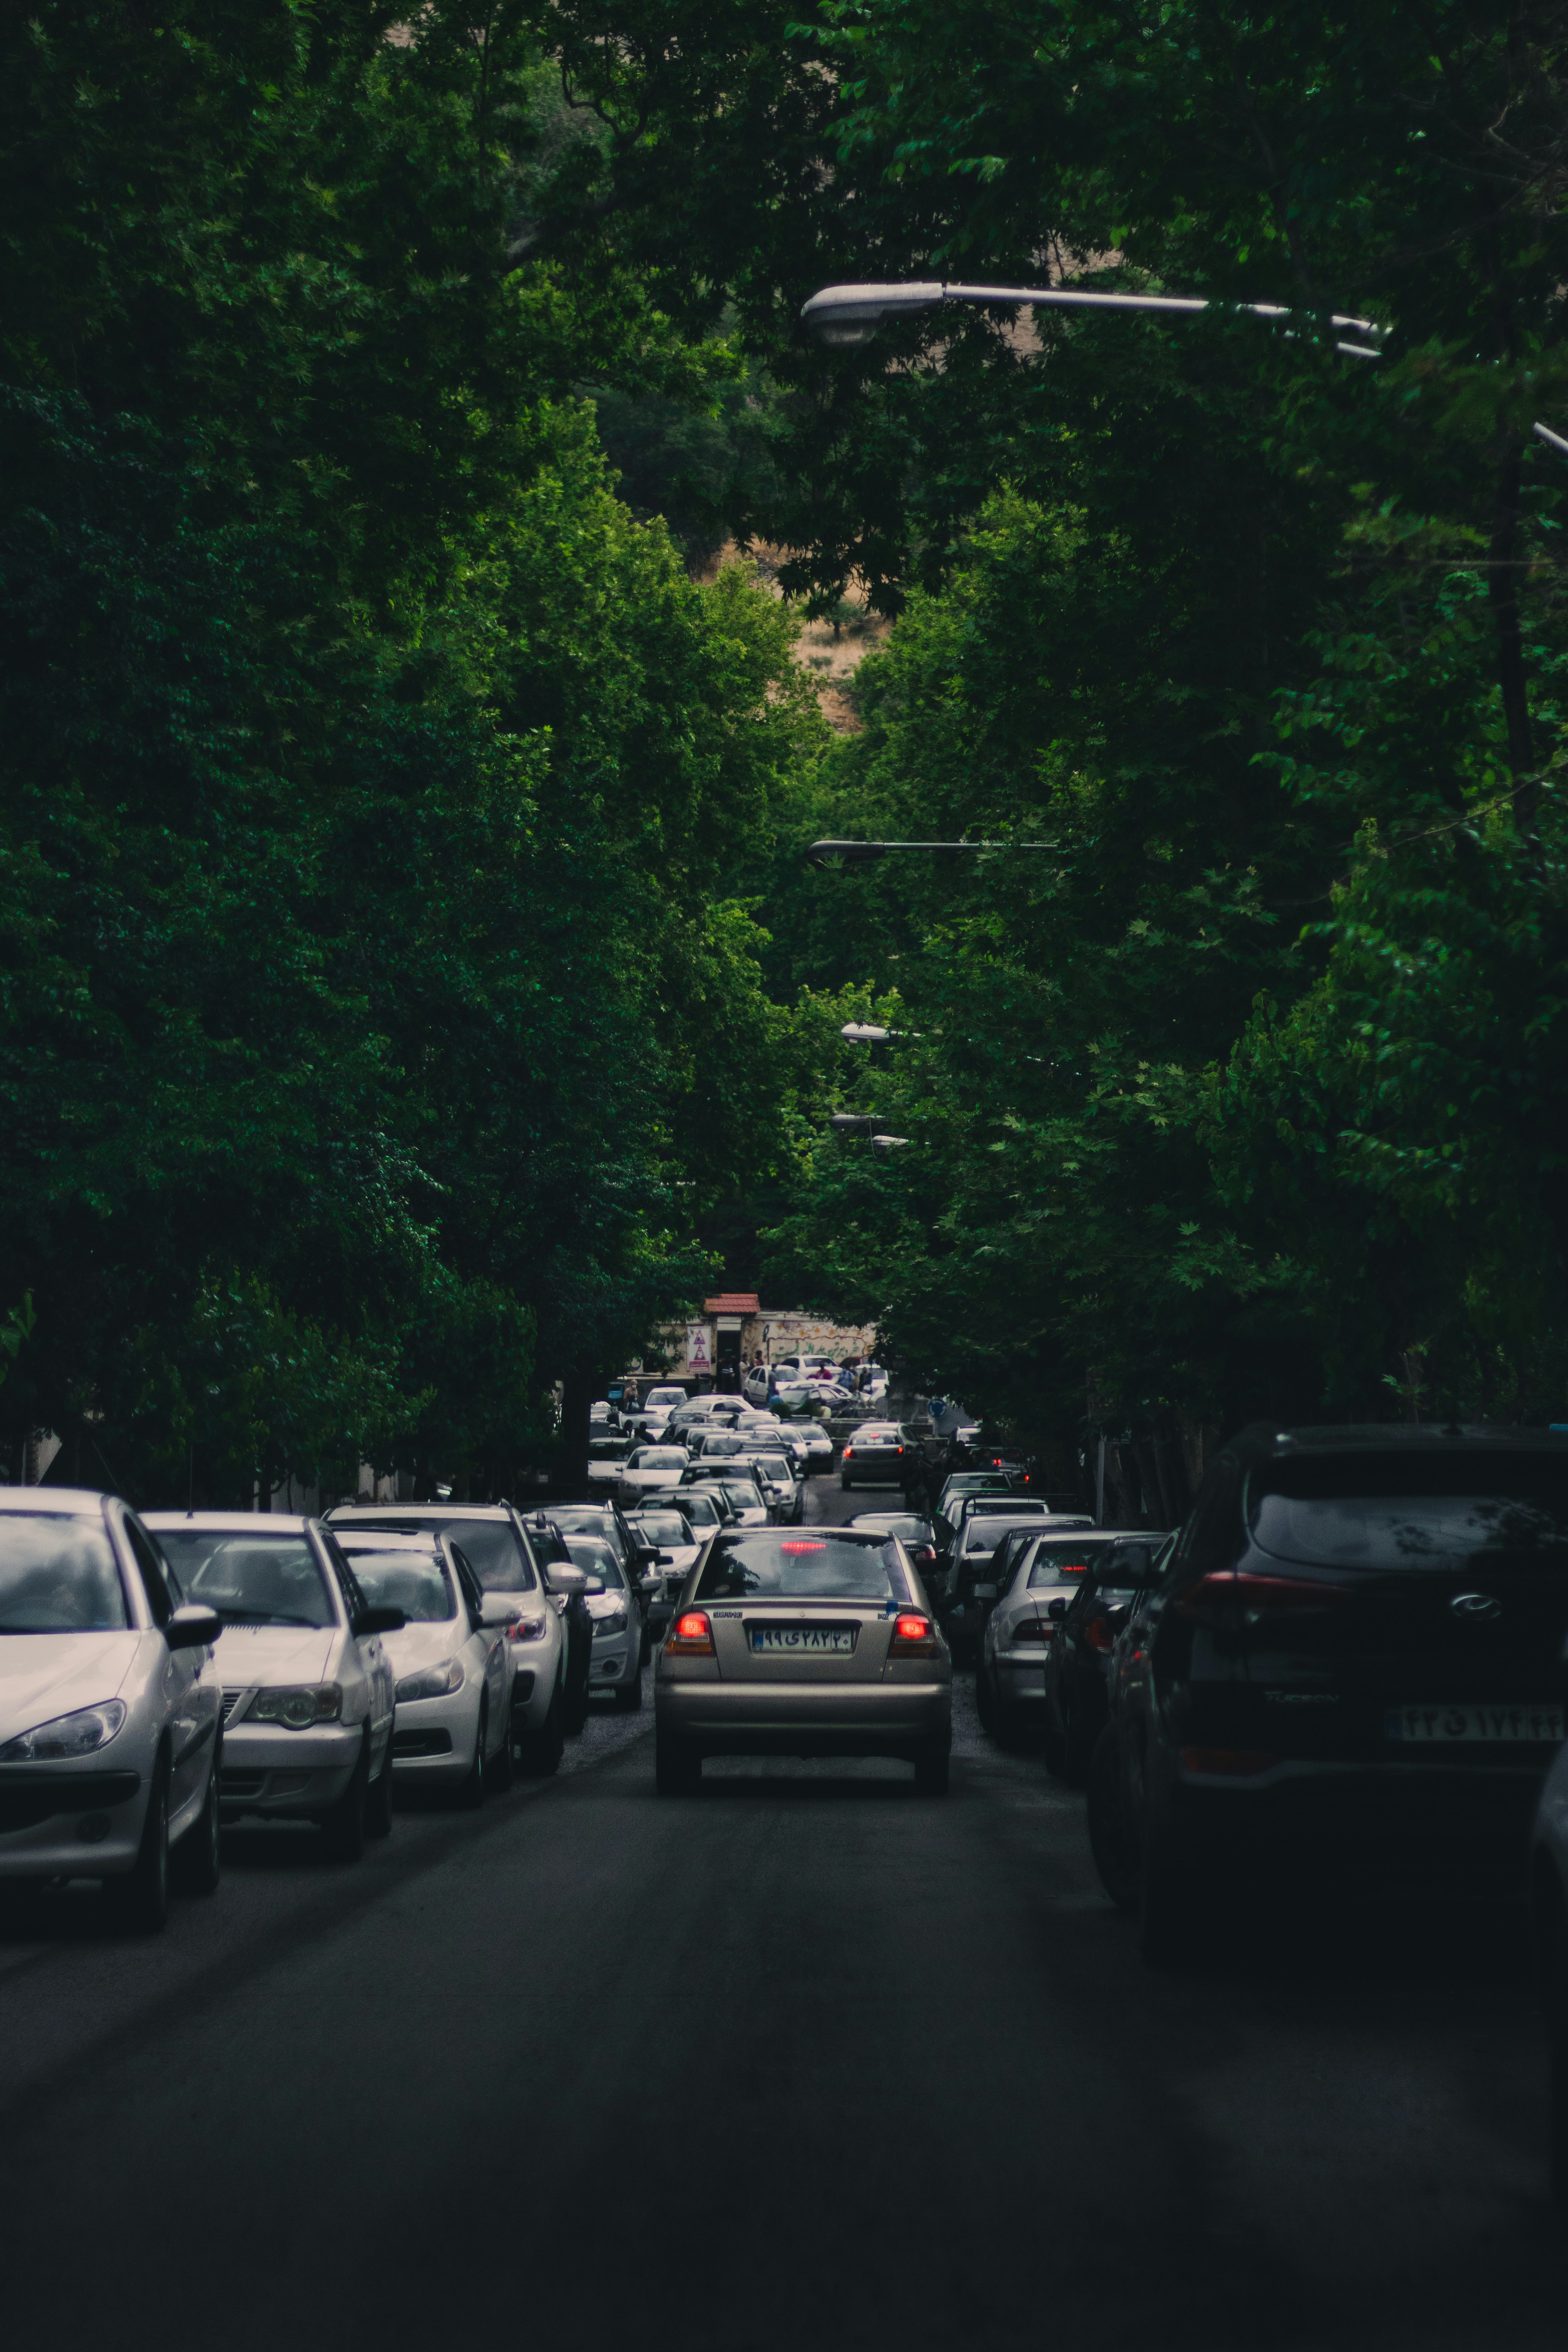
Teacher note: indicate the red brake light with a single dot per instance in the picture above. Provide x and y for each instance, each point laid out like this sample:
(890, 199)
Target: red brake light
(1233, 1597)
(847, 1452)
(803, 1546)
(691, 1635)
(1100, 1634)
(913, 1638)
(1033, 1628)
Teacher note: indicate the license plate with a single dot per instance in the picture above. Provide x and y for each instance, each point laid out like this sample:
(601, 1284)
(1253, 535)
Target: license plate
(1534, 1724)
(803, 1641)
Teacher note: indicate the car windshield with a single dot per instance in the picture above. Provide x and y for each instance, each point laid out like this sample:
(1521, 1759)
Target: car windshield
(904, 1524)
(702, 1512)
(1394, 1511)
(594, 1555)
(667, 1528)
(659, 1457)
(58, 1575)
(414, 1581)
(607, 1449)
(671, 1397)
(250, 1580)
(1056, 1557)
(489, 1546)
(804, 1568)
(723, 1442)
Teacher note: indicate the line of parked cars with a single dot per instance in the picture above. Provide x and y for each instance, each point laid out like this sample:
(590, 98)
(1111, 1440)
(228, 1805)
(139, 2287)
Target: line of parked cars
(1343, 1673)
(165, 1674)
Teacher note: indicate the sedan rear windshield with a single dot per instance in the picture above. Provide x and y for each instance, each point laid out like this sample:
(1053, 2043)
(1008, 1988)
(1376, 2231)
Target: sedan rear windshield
(659, 1458)
(1392, 1511)
(415, 1582)
(799, 1568)
(726, 1444)
(489, 1546)
(58, 1575)
(1053, 1562)
(665, 1527)
(250, 1580)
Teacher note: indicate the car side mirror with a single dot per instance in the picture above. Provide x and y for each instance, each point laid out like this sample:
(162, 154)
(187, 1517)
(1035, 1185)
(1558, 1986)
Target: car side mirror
(1057, 1609)
(647, 1553)
(561, 1578)
(377, 1621)
(193, 1627)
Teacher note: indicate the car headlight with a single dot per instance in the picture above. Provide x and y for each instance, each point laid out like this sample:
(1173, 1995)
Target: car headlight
(616, 1622)
(89, 1729)
(432, 1682)
(526, 1629)
(298, 1706)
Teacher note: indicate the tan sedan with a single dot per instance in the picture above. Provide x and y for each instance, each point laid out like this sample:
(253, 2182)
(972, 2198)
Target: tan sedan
(811, 1642)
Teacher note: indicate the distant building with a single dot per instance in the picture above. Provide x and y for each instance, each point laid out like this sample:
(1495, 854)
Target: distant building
(734, 1328)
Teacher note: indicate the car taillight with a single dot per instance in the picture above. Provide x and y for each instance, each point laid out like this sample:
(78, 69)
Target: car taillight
(691, 1635)
(925, 1555)
(1100, 1634)
(913, 1637)
(1239, 1596)
(847, 1452)
(1033, 1628)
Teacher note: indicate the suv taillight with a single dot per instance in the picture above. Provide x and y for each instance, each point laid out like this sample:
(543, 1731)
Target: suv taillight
(1233, 1597)
(691, 1635)
(913, 1637)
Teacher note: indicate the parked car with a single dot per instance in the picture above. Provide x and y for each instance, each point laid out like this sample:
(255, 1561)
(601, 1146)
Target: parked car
(1077, 1660)
(505, 1561)
(676, 1542)
(971, 1590)
(1350, 1671)
(802, 1644)
(649, 1470)
(110, 1731)
(307, 1681)
(618, 1614)
(451, 1659)
(873, 1457)
(1009, 1683)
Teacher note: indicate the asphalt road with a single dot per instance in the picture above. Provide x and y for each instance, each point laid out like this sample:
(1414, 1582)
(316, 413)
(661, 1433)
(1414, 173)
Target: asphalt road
(802, 2061)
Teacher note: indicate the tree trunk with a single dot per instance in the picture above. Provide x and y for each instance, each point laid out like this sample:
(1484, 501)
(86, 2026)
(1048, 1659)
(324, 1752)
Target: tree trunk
(1502, 588)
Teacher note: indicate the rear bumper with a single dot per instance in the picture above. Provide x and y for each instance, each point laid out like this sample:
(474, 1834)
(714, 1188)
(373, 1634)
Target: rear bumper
(806, 1718)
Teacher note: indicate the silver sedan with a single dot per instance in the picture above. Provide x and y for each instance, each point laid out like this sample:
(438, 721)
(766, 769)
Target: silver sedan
(1010, 1679)
(109, 1725)
(813, 1644)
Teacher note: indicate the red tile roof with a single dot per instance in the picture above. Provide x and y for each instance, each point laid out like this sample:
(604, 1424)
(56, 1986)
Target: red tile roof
(732, 1302)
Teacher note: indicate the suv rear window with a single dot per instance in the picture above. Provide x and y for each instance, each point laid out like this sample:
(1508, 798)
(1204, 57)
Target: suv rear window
(801, 1568)
(1394, 1511)
(489, 1546)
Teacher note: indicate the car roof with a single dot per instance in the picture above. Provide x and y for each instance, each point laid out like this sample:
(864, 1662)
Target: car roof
(343, 1513)
(67, 1502)
(1396, 1436)
(229, 1523)
(393, 1539)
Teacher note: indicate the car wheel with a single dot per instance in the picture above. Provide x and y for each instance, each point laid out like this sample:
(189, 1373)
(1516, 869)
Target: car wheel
(140, 1901)
(471, 1795)
(628, 1695)
(1079, 1745)
(345, 1827)
(197, 1863)
(378, 1799)
(1053, 1745)
(497, 1771)
(984, 1699)
(931, 1772)
(1114, 1849)
(676, 1772)
(539, 1753)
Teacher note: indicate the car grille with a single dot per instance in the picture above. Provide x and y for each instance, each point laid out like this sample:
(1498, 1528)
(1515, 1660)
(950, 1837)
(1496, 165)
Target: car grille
(420, 1743)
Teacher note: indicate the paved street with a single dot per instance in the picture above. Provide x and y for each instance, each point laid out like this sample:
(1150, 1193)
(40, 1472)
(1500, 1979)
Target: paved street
(800, 2061)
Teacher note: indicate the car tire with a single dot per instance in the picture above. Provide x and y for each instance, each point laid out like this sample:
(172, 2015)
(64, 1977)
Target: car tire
(931, 1772)
(1053, 1747)
(676, 1772)
(140, 1901)
(628, 1695)
(1079, 1747)
(984, 1699)
(498, 1770)
(1114, 1849)
(196, 1864)
(378, 1799)
(343, 1828)
(471, 1792)
(539, 1753)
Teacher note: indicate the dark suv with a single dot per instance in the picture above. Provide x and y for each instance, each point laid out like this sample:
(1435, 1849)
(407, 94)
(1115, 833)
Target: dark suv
(1350, 1664)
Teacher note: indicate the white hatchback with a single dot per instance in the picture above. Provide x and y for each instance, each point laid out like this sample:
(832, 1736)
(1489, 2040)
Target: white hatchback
(451, 1659)
(109, 1726)
(307, 1682)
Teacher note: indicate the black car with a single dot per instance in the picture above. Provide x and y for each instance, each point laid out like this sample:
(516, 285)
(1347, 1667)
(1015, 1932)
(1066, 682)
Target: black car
(1077, 1661)
(1350, 1671)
